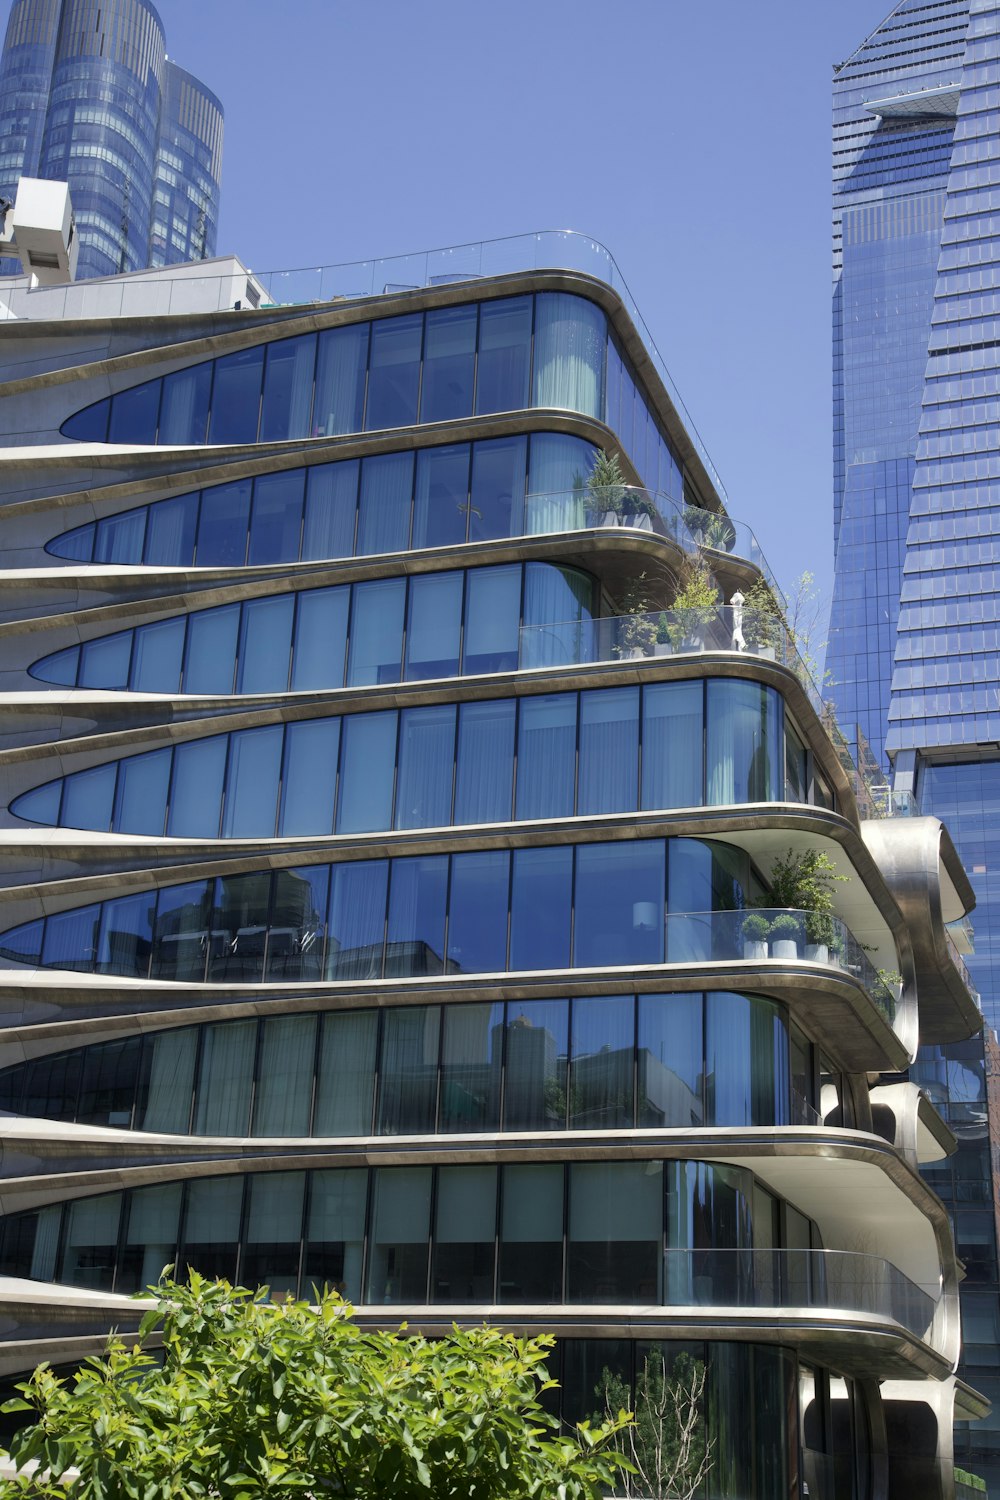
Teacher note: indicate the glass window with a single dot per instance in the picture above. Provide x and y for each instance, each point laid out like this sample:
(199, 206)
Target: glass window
(277, 517)
(397, 1260)
(441, 506)
(609, 750)
(225, 1078)
(367, 762)
(24, 944)
(88, 797)
(265, 644)
(601, 1063)
(309, 779)
(288, 388)
(386, 495)
(89, 425)
(157, 656)
(273, 1233)
(485, 771)
(126, 937)
(340, 380)
(496, 506)
(357, 920)
(541, 895)
(119, 538)
(239, 923)
(415, 933)
(71, 939)
(394, 372)
(212, 1225)
(335, 1231)
(557, 482)
(492, 619)
(671, 1053)
(90, 1242)
(104, 663)
(236, 397)
(180, 934)
(346, 1079)
(570, 342)
(78, 545)
(536, 1048)
(196, 793)
(426, 764)
(41, 804)
(672, 744)
(184, 408)
(504, 355)
(546, 756)
(376, 632)
(222, 527)
(615, 1242)
(408, 1073)
(211, 650)
(449, 364)
(746, 1061)
(252, 783)
(464, 1234)
(61, 667)
(744, 743)
(133, 414)
(557, 616)
(52, 1085)
(796, 767)
(153, 1217)
(170, 531)
(477, 918)
(531, 1233)
(108, 1082)
(331, 508)
(434, 627)
(165, 1095)
(619, 904)
(472, 1049)
(320, 639)
(298, 923)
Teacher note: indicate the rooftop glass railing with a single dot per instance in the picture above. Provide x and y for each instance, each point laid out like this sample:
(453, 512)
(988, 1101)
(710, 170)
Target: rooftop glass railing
(961, 966)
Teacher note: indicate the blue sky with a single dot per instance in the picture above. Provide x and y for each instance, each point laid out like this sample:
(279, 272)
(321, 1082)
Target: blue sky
(692, 138)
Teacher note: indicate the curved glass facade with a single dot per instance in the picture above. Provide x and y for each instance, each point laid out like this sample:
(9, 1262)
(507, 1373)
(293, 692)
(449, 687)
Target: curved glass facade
(436, 497)
(482, 911)
(452, 624)
(604, 750)
(674, 1061)
(580, 1233)
(188, 171)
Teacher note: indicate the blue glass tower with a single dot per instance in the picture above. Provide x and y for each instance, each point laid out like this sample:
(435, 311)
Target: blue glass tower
(87, 96)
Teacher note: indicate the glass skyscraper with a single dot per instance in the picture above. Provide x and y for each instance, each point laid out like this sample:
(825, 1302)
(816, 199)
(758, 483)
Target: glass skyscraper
(914, 656)
(88, 96)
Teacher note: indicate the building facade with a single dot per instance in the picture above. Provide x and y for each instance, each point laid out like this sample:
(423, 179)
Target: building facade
(88, 96)
(913, 640)
(388, 855)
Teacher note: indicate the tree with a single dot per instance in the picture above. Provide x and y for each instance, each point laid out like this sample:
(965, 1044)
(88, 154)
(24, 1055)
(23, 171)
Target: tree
(255, 1398)
(666, 1444)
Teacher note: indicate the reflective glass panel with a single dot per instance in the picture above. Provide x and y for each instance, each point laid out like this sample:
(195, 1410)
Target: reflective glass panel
(157, 656)
(367, 761)
(441, 504)
(252, 783)
(504, 355)
(320, 639)
(309, 778)
(331, 508)
(449, 364)
(492, 619)
(196, 792)
(211, 650)
(415, 933)
(394, 372)
(464, 1234)
(434, 627)
(408, 1072)
(212, 1225)
(672, 744)
(346, 1078)
(601, 1062)
(615, 1247)
(270, 1252)
(222, 527)
(496, 505)
(133, 414)
(609, 750)
(471, 1053)
(541, 897)
(335, 1231)
(236, 397)
(426, 759)
(384, 509)
(357, 920)
(340, 380)
(477, 917)
(277, 517)
(376, 632)
(536, 1047)
(184, 407)
(288, 388)
(619, 903)
(170, 531)
(531, 1234)
(485, 770)
(397, 1256)
(265, 644)
(670, 1061)
(546, 756)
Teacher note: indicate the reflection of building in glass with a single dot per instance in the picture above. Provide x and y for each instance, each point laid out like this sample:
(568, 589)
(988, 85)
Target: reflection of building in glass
(390, 900)
(88, 96)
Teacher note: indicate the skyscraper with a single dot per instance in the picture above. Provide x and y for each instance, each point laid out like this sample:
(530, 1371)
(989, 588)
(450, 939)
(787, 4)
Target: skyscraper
(400, 869)
(914, 635)
(88, 96)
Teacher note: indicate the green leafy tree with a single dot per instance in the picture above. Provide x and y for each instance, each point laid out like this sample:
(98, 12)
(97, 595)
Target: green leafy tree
(256, 1398)
(606, 485)
(696, 602)
(805, 882)
(668, 1453)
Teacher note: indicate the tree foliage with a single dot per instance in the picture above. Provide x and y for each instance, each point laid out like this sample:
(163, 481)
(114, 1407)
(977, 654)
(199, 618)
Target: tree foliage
(668, 1452)
(254, 1398)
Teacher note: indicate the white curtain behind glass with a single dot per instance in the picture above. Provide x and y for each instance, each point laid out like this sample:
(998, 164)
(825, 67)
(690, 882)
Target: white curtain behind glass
(284, 1082)
(570, 342)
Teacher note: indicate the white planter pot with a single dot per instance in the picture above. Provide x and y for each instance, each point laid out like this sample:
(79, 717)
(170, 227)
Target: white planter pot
(752, 949)
(767, 652)
(662, 648)
(784, 948)
(817, 953)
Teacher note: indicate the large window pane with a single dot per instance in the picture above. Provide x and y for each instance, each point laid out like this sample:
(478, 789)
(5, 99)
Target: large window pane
(557, 482)
(90, 1246)
(376, 632)
(615, 1247)
(744, 743)
(472, 1049)
(670, 1061)
(335, 1232)
(570, 342)
(537, 1044)
(394, 372)
(367, 761)
(601, 1062)
(157, 657)
(225, 1078)
(331, 507)
(558, 618)
(152, 1221)
(222, 528)
(212, 1226)
(449, 364)
(477, 918)
(441, 505)
(497, 502)
(277, 517)
(184, 408)
(309, 778)
(236, 397)
(180, 934)
(346, 1078)
(504, 355)
(434, 627)
(170, 531)
(196, 793)
(484, 776)
(265, 645)
(105, 663)
(288, 388)
(126, 935)
(408, 1075)
(546, 756)
(415, 934)
(320, 639)
(297, 933)
(426, 764)
(386, 494)
(252, 783)
(133, 414)
(238, 926)
(165, 1098)
(357, 920)
(120, 538)
(746, 1061)
(71, 939)
(672, 741)
(88, 797)
(531, 1234)
(273, 1233)
(340, 380)
(107, 1087)
(620, 909)
(492, 619)
(285, 1076)
(540, 908)
(464, 1233)
(211, 650)
(609, 751)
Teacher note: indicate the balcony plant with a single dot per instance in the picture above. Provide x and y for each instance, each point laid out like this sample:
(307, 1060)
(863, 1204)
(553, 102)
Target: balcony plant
(606, 488)
(804, 882)
(637, 626)
(695, 605)
(756, 928)
(710, 528)
(761, 619)
(786, 932)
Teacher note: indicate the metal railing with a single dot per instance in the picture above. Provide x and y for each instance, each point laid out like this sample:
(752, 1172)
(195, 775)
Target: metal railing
(961, 966)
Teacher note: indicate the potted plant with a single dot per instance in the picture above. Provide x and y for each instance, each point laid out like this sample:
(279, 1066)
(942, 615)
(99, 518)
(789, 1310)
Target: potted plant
(786, 929)
(637, 508)
(709, 528)
(804, 882)
(606, 488)
(637, 627)
(695, 606)
(820, 932)
(761, 619)
(662, 646)
(755, 932)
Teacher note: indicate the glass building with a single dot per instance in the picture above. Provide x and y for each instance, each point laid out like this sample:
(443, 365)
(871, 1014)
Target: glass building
(88, 96)
(388, 872)
(913, 640)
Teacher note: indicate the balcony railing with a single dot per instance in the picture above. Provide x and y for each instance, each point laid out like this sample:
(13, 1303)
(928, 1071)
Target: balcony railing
(961, 966)
(778, 933)
(834, 1280)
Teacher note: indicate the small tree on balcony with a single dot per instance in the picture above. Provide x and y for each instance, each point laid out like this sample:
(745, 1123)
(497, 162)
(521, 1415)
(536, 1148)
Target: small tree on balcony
(696, 602)
(606, 485)
(804, 882)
